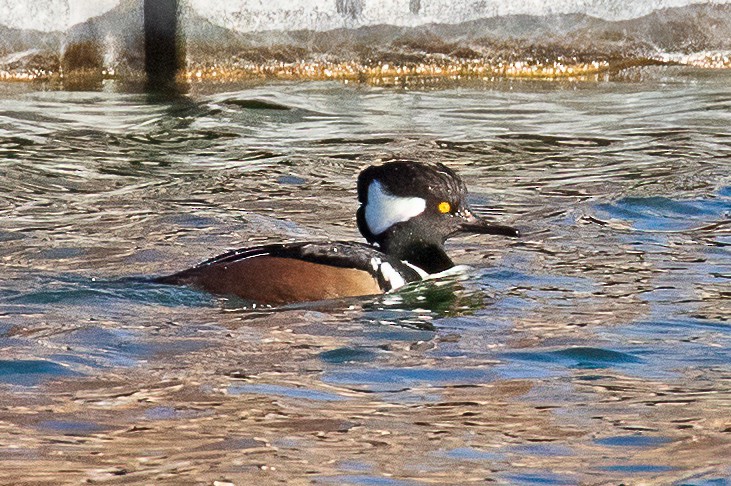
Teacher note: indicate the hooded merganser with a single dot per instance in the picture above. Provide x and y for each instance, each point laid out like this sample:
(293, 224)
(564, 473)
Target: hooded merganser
(407, 211)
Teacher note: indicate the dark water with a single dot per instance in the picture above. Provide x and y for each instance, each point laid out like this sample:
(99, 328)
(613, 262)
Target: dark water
(595, 349)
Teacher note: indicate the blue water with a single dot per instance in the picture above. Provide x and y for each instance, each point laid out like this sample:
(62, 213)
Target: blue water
(659, 214)
(30, 372)
(598, 343)
(633, 441)
(289, 392)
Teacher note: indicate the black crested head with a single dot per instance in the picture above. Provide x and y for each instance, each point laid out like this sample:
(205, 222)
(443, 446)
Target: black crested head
(400, 190)
(410, 208)
(406, 178)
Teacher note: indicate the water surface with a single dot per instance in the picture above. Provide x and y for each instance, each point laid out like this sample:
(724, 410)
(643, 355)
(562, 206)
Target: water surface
(595, 349)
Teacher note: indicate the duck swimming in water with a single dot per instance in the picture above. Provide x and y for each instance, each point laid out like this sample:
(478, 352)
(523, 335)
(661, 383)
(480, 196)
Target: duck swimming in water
(407, 212)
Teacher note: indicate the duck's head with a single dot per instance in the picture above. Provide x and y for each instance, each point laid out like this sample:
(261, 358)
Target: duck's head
(409, 209)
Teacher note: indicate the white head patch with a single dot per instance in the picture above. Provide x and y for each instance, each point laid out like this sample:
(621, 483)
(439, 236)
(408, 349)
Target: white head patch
(383, 210)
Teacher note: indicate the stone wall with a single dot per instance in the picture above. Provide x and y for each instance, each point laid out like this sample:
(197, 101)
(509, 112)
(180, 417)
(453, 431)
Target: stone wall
(364, 40)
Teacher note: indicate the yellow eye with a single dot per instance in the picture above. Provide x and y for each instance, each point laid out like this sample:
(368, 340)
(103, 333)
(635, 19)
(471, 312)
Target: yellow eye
(444, 207)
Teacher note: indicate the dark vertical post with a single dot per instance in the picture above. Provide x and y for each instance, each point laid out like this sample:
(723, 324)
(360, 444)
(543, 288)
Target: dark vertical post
(163, 51)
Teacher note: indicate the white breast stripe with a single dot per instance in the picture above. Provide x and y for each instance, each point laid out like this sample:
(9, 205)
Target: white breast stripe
(383, 210)
(391, 276)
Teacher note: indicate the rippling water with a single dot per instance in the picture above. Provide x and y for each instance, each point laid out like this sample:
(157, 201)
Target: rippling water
(595, 349)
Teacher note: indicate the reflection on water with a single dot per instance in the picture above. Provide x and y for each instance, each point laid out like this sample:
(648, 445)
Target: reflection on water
(594, 349)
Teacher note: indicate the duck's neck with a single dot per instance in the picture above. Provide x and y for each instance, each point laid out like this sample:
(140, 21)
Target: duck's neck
(430, 257)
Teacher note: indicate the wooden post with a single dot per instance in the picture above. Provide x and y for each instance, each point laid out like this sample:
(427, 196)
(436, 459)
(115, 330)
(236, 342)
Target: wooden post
(164, 51)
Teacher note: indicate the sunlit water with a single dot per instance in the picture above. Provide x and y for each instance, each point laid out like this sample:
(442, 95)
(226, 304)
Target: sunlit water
(595, 349)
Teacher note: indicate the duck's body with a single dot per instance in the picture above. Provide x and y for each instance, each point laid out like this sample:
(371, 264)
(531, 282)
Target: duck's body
(299, 272)
(407, 212)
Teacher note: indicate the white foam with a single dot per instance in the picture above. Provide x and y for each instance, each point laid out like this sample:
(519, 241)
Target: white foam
(460, 271)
